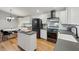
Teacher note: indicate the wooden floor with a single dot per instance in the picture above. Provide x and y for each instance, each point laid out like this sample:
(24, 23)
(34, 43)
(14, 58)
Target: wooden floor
(43, 45)
(11, 45)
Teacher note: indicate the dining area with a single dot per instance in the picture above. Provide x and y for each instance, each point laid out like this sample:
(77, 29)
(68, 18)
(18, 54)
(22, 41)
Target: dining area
(6, 34)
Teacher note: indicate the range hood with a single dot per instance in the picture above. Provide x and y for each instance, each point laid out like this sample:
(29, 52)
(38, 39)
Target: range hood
(52, 15)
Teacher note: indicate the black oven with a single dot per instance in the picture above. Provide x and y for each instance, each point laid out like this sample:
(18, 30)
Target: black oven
(52, 35)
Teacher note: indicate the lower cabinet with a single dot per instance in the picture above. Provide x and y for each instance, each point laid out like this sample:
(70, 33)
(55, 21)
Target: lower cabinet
(27, 41)
(43, 34)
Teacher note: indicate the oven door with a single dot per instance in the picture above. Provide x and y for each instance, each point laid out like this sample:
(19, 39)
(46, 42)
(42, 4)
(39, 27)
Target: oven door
(52, 35)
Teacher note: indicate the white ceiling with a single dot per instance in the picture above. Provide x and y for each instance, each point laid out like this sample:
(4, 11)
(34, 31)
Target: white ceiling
(25, 11)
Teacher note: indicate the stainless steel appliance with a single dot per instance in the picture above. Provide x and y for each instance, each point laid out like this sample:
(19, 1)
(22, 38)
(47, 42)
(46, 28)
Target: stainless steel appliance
(52, 27)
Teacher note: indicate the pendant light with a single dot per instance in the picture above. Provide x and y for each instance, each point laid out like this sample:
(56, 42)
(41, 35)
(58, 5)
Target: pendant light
(10, 17)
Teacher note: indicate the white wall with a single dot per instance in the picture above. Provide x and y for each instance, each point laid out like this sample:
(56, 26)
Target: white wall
(4, 23)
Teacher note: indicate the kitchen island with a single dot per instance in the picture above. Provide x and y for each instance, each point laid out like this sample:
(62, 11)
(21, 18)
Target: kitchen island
(27, 40)
(66, 41)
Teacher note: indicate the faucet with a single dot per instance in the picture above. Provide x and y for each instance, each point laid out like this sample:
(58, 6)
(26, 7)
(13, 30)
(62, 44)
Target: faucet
(76, 30)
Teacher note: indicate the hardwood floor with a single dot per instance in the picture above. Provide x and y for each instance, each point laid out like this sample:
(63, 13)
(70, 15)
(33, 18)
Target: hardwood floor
(43, 45)
(11, 45)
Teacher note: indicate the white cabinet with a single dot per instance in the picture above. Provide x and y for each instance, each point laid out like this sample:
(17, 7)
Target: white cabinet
(62, 16)
(43, 33)
(69, 16)
(22, 21)
(73, 15)
(27, 42)
(44, 17)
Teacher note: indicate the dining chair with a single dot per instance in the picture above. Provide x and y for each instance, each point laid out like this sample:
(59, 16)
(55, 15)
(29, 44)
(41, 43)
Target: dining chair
(5, 35)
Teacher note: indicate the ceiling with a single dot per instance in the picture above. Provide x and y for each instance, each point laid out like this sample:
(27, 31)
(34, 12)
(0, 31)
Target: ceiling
(25, 11)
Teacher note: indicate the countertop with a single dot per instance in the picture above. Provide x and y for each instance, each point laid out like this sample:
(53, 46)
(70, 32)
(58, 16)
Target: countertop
(66, 41)
(66, 32)
(28, 32)
(67, 35)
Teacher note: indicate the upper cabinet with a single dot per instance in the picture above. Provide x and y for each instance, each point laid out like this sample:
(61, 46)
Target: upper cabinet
(24, 21)
(69, 16)
(73, 15)
(62, 16)
(43, 17)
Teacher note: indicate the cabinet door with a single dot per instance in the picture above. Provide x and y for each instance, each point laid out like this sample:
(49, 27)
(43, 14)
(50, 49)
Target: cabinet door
(23, 41)
(43, 34)
(44, 17)
(33, 42)
(63, 17)
(73, 15)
